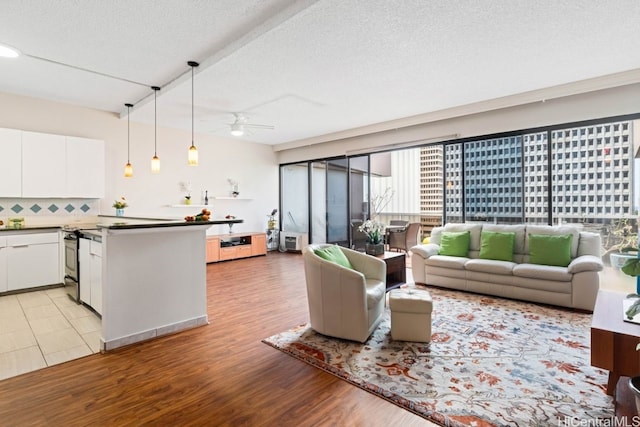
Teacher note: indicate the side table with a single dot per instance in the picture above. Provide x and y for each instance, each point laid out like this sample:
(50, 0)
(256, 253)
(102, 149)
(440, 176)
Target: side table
(396, 268)
(613, 343)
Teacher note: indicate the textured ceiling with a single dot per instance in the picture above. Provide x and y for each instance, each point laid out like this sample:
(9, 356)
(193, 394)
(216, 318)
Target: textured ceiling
(309, 68)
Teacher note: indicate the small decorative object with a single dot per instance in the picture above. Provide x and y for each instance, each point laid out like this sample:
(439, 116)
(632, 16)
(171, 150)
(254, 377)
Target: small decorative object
(234, 188)
(631, 308)
(206, 197)
(373, 231)
(186, 187)
(120, 205)
(271, 224)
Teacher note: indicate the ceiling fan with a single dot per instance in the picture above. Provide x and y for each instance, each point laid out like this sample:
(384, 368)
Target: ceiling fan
(241, 125)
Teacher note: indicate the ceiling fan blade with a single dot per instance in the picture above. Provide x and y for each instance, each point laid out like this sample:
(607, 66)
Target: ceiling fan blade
(257, 126)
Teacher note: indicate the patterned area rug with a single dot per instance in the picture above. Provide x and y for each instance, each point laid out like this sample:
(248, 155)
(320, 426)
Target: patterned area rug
(491, 362)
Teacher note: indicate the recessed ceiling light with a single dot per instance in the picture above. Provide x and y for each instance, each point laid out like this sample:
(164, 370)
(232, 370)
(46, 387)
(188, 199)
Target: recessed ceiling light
(8, 51)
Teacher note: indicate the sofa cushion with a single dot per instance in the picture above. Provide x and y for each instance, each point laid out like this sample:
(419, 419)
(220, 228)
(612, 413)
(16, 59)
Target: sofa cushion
(334, 254)
(550, 249)
(496, 245)
(454, 262)
(490, 266)
(517, 229)
(554, 230)
(454, 243)
(543, 272)
(473, 229)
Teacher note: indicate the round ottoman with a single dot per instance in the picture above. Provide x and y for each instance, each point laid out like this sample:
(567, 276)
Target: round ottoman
(410, 314)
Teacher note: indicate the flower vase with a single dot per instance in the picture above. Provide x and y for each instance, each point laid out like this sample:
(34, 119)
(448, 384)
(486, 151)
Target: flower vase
(374, 248)
(119, 212)
(187, 201)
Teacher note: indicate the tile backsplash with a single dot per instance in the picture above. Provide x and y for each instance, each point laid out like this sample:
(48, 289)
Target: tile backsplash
(48, 207)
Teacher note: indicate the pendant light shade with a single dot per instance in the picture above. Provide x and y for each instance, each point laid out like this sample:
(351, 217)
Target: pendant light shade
(155, 160)
(193, 151)
(128, 169)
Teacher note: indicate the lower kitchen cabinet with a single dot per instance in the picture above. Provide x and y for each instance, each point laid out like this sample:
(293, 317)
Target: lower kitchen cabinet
(3, 264)
(25, 251)
(90, 258)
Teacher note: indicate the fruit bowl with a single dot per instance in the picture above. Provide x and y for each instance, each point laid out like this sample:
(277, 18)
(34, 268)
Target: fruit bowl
(203, 215)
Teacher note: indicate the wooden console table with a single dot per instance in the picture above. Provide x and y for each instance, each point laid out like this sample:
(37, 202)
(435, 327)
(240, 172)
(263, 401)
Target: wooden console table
(224, 247)
(613, 342)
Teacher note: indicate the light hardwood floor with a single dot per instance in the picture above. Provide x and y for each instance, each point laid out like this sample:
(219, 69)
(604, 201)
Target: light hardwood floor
(216, 375)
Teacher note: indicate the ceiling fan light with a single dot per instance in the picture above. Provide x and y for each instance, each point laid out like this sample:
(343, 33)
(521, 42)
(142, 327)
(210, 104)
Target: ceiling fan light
(8, 51)
(128, 170)
(237, 129)
(193, 156)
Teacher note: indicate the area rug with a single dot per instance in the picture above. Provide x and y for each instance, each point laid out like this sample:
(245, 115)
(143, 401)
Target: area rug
(491, 362)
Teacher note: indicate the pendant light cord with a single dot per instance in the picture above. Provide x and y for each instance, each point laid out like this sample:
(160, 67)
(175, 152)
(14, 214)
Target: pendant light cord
(155, 119)
(193, 65)
(128, 130)
(192, 113)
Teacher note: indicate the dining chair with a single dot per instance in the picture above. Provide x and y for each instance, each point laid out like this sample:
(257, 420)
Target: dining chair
(405, 239)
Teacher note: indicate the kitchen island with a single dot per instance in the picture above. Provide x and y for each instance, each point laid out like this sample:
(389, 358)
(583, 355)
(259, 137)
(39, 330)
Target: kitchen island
(148, 280)
(153, 278)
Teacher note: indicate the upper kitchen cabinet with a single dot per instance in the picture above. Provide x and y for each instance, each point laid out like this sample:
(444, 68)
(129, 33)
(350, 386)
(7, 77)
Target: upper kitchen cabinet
(10, 163)
(43, 164)
(85, 168)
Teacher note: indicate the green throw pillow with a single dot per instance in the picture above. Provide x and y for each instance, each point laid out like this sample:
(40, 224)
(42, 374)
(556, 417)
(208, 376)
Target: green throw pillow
(334, 254)
(454, 243)
(496, 245)
(550, 249)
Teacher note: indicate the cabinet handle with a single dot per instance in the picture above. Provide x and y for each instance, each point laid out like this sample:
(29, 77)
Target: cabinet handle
(19, 246)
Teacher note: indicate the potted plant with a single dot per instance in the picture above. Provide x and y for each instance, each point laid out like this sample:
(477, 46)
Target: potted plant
(373, 230)
(120, 205)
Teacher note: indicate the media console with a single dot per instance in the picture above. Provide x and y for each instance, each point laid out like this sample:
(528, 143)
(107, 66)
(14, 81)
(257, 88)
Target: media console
(223, 247)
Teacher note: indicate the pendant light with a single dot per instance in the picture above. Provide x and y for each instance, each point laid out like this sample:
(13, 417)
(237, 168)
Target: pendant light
(193, 151)
(155, 160)
(128, 169)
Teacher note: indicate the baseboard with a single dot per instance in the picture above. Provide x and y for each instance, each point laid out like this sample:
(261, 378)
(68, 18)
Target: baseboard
(153, 333)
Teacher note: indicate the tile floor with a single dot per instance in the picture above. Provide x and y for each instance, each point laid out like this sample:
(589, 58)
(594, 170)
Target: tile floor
(44, 328)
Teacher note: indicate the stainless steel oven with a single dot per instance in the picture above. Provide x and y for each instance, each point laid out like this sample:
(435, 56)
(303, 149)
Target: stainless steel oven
(71, 265)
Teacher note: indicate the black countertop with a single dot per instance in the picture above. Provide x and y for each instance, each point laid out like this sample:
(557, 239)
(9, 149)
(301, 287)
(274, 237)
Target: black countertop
(123, 223)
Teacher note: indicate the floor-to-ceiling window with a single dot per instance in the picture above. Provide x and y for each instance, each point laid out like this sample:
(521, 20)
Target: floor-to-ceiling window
(581, 173)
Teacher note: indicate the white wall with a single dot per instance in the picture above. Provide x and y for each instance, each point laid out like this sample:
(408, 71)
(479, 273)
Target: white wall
(254, 166)
(591, 105)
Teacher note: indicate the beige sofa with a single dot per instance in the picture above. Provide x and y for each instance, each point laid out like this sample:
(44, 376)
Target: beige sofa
(574, 286)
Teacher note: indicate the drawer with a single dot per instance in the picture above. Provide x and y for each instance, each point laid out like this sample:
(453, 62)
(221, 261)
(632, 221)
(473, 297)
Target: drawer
(32, 239)
(244, 251)
(228, 253)
(95, 248)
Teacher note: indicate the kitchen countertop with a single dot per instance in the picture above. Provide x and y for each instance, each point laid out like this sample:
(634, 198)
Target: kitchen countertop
(123, 223)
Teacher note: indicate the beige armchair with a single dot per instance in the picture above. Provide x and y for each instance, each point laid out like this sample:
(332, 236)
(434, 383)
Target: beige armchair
(345, 303)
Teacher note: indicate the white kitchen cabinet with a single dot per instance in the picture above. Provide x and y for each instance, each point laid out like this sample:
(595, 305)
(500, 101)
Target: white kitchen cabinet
(90, 257)
(84, 167)
(96, 276)
(3, 264)
(84, 258)
(43, 165)
(10, 163)
(32, 260)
